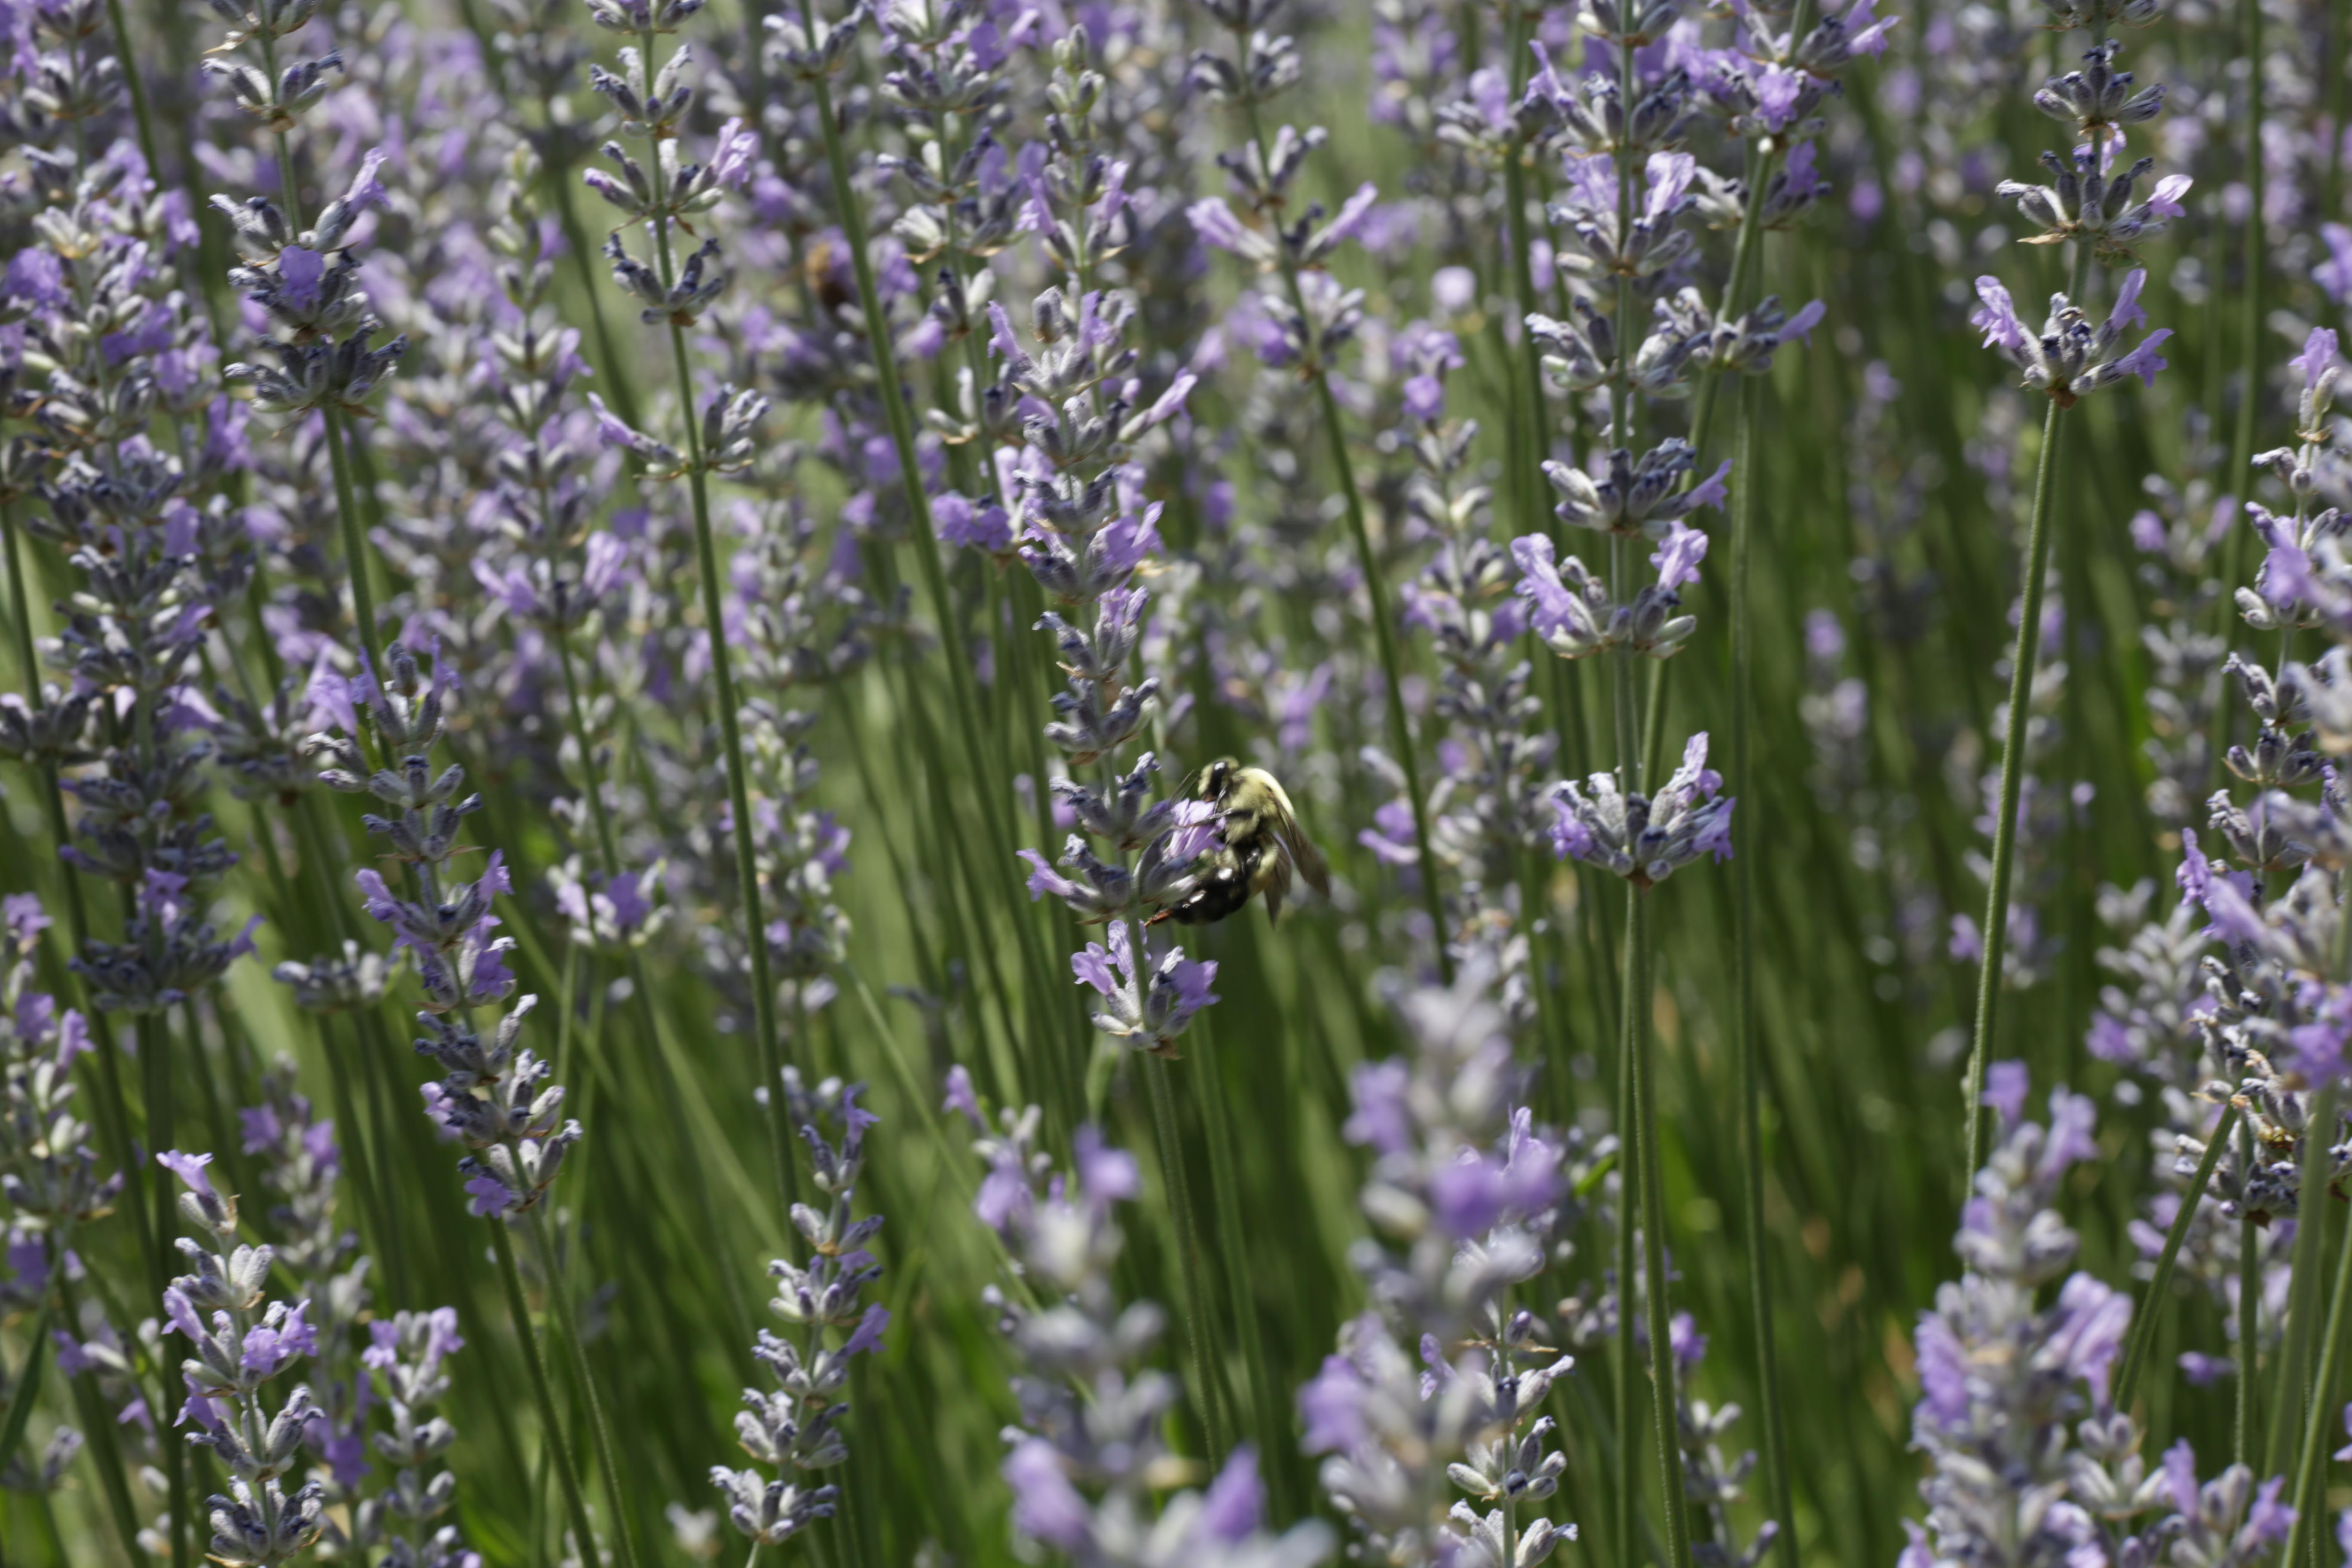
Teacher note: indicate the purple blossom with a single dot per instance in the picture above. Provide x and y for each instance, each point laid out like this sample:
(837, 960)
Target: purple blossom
(733, 155)
(1106, 1175)
(2334, 275)
(1236, 1500)
(1677, 558)
(1799, 327)
(366, 190)
(867, 1338)
(278, 1339)
(23, 918)
(1046, 1506)
(1997, 317)
(962, 1099)
(1215, 222)
(1349, 222)
(190, 1168)
(2317, 358)
(180, 1315)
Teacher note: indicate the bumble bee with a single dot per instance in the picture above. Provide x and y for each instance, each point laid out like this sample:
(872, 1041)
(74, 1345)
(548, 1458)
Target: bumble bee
(1259, 846)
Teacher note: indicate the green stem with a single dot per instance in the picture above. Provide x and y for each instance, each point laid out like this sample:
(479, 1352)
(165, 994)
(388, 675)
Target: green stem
(1179, 1210)
(738, 797)
(1666, 1422)
(576, 1505)
(382, 1101)
(1267, 1402)
(1517, 233)
(2305, 1284)
(1368, 561)
(339, 1086)
(641, 995)
(2249, 392)
(1392, 675)
(1995, 930)
(2308, 1492)
(730, 731)
(1003, 865)
(615, 378)
(27, 1388)
(355, 545)
(2250, 1296)
(1629, 1203)
(98, 1425)
(2152, 1299)
(113, 1105)
(111, 1101)
(576, 1353)
(1747, 1048)
(1746, 266)
(155, 1068)
(133, 79)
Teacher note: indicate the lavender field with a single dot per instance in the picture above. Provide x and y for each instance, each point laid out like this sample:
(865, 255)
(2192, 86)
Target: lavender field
(1175, 783)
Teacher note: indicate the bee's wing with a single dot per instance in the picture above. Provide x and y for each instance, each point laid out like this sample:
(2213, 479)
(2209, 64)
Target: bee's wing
(1308, 858)
(1292, 852)
(1273, 876)
(1309, 864)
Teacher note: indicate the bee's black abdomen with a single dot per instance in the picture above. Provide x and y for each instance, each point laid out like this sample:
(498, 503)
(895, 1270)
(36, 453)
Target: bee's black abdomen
(1221, 892)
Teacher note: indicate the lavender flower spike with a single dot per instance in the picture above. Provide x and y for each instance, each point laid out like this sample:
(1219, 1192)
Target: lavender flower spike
(1645, 838)
(1091, 1449)
(1466, 1196)
(797, 1427)
(237, 1342)
(2070, 357)
(2030, 1462)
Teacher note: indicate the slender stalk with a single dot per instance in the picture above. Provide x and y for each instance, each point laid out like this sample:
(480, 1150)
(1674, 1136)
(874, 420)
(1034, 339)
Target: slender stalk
(1267, 1402)
(1368, 561)
(1530, 480)
(2250, 1296)
(1745, 252)
(615, 379)
(155, 1064)
(1628, 1200)
(347, 517)
(383, 1100)
(373, 1221)
(133, 79)
(2308, 1492)
(1747, 1048)
(98, 1423)
(730, 731)
(576, 1505)
(2249, 323)
(113, 1104)
(641, 995)
(2152, 1299)
(2012, 783)
(1620, 663)
(576, 1353)
(1667, 1426)
(355, 545)
(1179, 1210)
(966, 706)
(26, 1390)
(2304, 1287)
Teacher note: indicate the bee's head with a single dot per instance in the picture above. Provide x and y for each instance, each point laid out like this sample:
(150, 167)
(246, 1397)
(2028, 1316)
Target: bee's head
(1217, 778)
